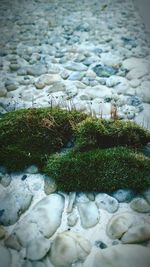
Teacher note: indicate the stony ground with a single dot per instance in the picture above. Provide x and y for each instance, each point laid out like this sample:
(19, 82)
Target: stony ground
(94, 56)
(90, 55)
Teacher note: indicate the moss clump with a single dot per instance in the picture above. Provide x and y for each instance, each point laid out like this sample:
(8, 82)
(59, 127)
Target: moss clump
(99, 133)
(99, 170)
(28, 136)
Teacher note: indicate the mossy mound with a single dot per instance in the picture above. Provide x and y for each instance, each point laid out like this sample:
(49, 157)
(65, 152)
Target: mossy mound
(99, 170)
(96, 133)
(28, 136)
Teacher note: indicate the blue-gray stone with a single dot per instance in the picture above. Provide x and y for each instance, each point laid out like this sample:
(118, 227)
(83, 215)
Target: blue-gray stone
(123, 195)
(105, 71)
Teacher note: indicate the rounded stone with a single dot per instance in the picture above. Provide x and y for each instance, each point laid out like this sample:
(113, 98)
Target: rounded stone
(139, 204)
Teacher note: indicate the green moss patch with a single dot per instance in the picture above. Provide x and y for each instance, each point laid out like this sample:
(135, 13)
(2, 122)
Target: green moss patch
(99, 133)
(99, 170)
(28, 136)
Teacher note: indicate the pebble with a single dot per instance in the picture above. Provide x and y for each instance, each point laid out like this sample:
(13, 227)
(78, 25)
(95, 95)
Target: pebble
(33, 169)
(123, 195)
(5, 179)
(106, 202)
(139, 204)
(89, 214)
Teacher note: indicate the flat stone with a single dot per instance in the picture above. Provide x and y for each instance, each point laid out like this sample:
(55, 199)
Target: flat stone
(76, 66)
(36, 70)
(76, 76)
(143, 91)
(104, 70)
(5, 179)
(56, 87)
(123, 195)
(133, 62)
(139, 204)
(106, 202)
(138, 72)
(71, 248)
(3, 91)
(89, 214)
(146, 195)
(11, 85)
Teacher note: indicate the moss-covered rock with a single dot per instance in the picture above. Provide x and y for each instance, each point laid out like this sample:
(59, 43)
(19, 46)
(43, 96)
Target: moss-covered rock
(99, 170)
(99, 133)
(28, 136)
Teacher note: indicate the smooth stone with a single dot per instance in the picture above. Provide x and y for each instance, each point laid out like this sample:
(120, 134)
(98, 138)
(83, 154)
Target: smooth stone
(99, 91)
(64, 74)
(123, 195)
(33, 169)
(37, 249)
(115, 80)
(12, 242)
(139, 204)
(74, 66)
(137, 234)
(106, 202)
(5, 257)
(138, 72)
(19, 198)
(76, 76)
(71, 201)
(3, 91)
(135, 83)
(11, 85)
(89, 214)
(14, 67)
(104, 70)
(119, 224)
(56, 87)
(143, 91)
(5, 179)
(133, 62)
(71, 248)
(49, 185)
(39, 84)
(46, 215)
(36, 70)
(110, 60)
(2, 232)
(72, 219)
(79, 85)
(120, 256)
(146, 195)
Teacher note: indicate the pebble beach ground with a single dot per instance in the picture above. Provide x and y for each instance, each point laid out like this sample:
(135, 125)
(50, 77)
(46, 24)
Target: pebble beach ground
(88, 55)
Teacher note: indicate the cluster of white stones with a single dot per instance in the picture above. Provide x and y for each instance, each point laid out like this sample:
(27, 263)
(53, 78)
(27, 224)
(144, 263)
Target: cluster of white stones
(43, 227)
(84, 54)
